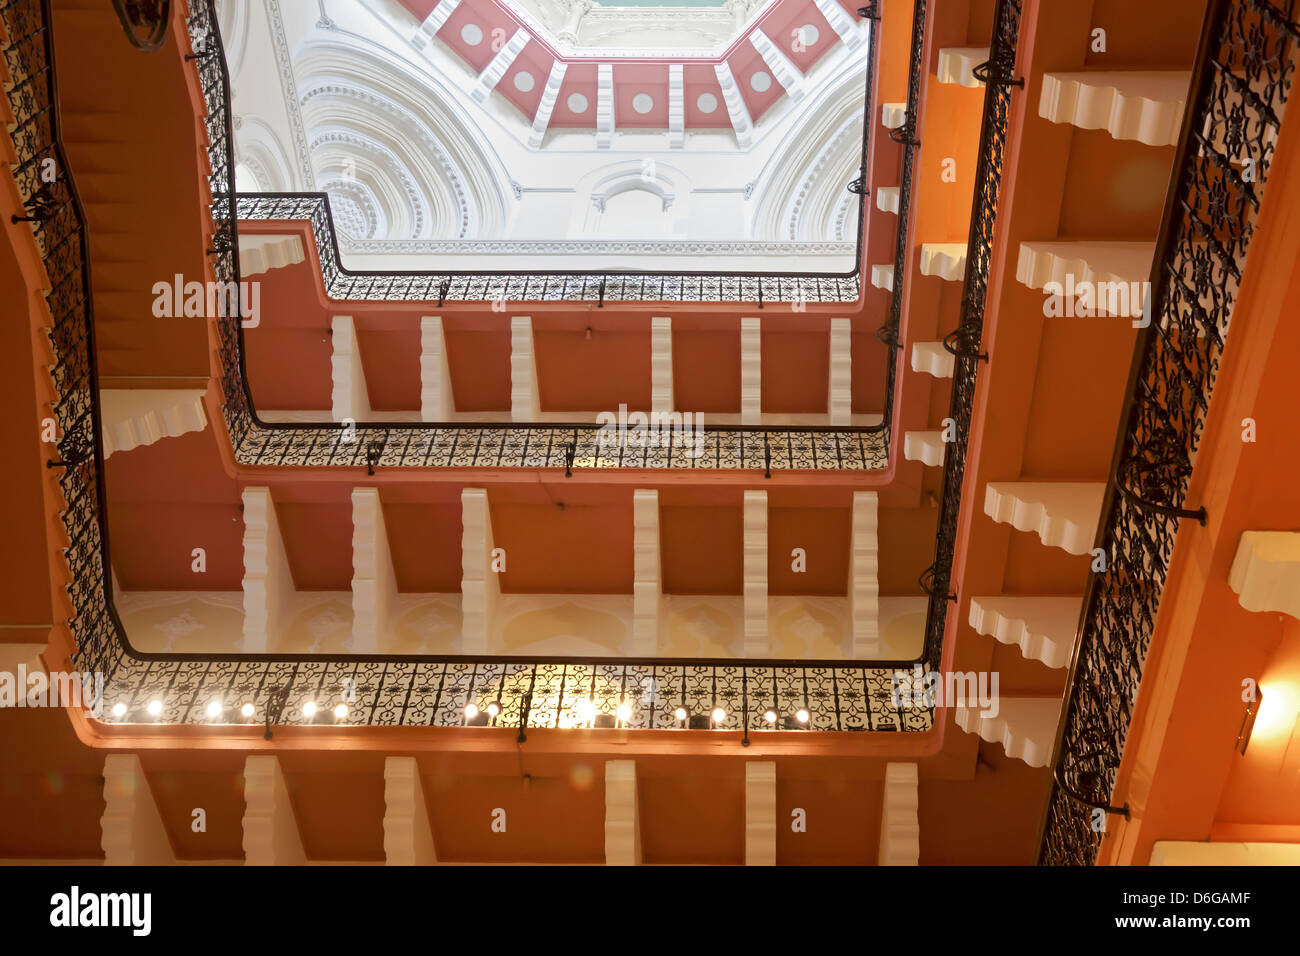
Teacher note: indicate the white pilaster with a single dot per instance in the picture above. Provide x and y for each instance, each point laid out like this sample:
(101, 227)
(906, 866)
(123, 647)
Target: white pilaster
(436, 399)
(1265, 572)
(661, 364)
(479, 586)
(1042, 627)
(267, 582)
(271, 835)
(131, 829)
(864, 576)
(839, 400)
(525, 406)
(1064, 514)
(349, 396)
(900, 827)
(751, 371)
(374, 584)
(408, 838)
(760, 813)
(849, 31)
(676, 107)
(434, 22)
(550, 94)
(647, 583)
(622, 816)
(736, 108)
(785, 72)
(496, 69)
(604, 106)
(757, 642)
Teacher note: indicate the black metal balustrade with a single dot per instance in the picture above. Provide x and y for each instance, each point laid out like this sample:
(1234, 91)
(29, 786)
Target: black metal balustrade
(1244, 70)
(525, 445)
(408, 690)
(998, 76)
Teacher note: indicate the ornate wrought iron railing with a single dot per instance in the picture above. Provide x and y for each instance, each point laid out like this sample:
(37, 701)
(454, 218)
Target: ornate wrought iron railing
(462, 444)
(411, 690)
(1244, 71)
(998, 76)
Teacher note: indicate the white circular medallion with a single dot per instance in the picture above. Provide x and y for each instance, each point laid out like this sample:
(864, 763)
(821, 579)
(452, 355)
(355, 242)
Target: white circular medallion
(472, 34)
(577, 103)
(643, 103)
(524, 81)
(760, 82)
(706, 102)
(809, 35)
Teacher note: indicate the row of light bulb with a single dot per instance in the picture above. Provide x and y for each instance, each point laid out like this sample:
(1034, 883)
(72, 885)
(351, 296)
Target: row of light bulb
(216, 708)
(587, 710)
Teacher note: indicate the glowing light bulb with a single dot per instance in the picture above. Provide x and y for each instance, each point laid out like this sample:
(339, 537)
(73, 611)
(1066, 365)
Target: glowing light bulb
(493, 709)
(154, 708)
(214, 708)
(471, 711)
(119, 709)
(680, 713)
(309, 709)
(770, 716)
(624, 712)
(246, 710)
(801, 715)
(586, 709)
(340, 711)
(719, 715)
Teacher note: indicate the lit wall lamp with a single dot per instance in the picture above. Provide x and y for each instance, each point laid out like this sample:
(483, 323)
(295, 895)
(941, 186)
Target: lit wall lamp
(1248, 718)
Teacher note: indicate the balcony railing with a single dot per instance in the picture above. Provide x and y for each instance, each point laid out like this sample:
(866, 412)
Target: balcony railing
(1244, 70)
(744, 696)
(518, 445)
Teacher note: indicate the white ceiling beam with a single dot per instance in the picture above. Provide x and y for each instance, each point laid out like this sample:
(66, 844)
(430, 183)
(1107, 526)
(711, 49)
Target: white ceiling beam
(268, 583)
(437, 402)
(839, 399)
(131, 829)
(864, 576)
(676, 107)
(408, 837)
(661, 364)
(550, 94)
(900, 828)
(751, 371)
(349, 396)
(604, 106)
(479, 587)
(850, 32)
(786, 73)
(760, 813)
(495, 70)
(374, 583)
(271, 836)
(525, 403)
(647, 582)
(757, 639)
(434, 22)
(622, 814)
(741, 122)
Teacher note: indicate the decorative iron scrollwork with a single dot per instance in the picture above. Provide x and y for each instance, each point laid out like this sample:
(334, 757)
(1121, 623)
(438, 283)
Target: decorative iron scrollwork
(41, 206)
